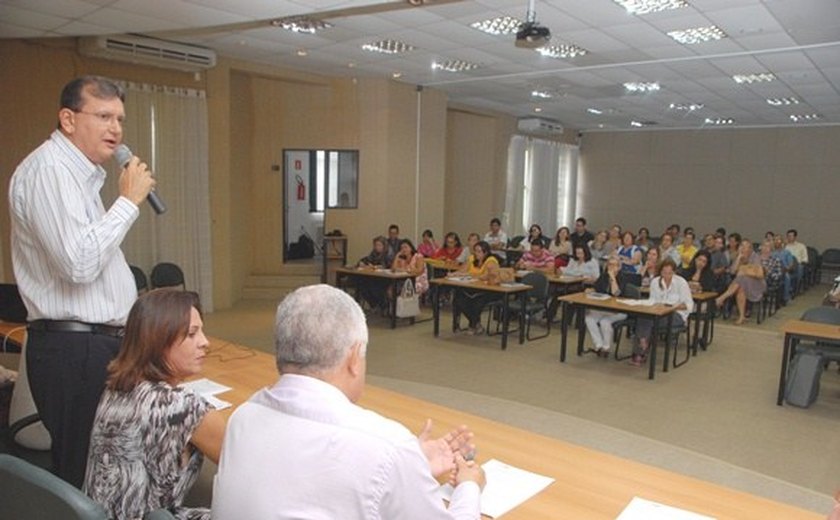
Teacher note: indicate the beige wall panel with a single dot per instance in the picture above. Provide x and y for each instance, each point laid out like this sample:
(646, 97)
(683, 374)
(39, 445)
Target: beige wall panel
(432, 163)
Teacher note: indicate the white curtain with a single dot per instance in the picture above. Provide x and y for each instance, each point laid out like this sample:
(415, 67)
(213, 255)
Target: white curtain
(541, 184)
(167, 128)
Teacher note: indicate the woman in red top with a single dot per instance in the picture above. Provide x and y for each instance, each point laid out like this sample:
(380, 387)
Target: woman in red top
(452, 248)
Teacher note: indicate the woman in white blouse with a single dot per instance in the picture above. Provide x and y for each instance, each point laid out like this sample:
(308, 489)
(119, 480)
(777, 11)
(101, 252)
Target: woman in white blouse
(583, 265)
(668, 289)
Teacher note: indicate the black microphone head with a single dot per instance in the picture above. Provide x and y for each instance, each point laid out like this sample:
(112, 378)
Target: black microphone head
(122, 154)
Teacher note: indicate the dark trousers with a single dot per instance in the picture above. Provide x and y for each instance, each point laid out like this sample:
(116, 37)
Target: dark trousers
(67, 372)
(471, 303)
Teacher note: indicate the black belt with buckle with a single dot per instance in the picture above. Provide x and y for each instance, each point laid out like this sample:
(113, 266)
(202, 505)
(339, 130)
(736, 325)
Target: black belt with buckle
(76, 326)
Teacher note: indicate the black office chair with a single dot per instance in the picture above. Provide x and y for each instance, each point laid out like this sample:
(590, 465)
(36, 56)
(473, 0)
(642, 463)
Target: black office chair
(140, 280)
(536, 302)
(822, 314)
(814, 265)
(830, 260)
(33, 493)
(166, 274)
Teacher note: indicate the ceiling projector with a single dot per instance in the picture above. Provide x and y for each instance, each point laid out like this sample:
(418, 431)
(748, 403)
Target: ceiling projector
(532, 35)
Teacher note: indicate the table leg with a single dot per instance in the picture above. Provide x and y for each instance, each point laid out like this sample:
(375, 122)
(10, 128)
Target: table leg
(581, 312)
(505, 321)
(523, 299)
(697, 331)
(564, 330)
(668, 342)
(783, 375)
(396, 286)
(652, 349)
(436, 309)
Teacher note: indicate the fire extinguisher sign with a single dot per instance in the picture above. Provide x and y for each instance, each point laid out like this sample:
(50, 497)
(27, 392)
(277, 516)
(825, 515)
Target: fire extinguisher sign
(298, 164)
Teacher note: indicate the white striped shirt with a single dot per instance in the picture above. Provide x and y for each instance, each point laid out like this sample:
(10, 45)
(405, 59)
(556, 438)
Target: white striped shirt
(65, 246)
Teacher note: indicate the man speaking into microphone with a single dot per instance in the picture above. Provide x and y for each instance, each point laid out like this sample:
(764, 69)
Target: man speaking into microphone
(66, 255)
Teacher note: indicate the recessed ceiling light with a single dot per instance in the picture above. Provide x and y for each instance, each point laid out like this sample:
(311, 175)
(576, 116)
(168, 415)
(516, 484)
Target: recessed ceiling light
(302, 52)
(351, 65)
(388, 47)
(698, 35)
(719, 121)
(396, 75)
(594, 111)
(777, 102)
(544, 94)
(754, 78)
(650, 6)
(301, 24)
(561, 51)
(454, 65)
(686, 107)
(638, 86)
(637, 124)
(799, 118)
(498, 26)
(538, 109)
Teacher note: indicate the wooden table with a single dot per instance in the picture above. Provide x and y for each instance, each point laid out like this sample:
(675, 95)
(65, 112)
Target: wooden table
(12, 335)
(795, 331)
(505, 291)
(589, 485)
(397, 280)
(612, 304)
(436, 264)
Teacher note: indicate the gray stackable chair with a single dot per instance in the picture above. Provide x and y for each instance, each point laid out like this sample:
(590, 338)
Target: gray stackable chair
(536, 302)
(30, 492)
(822, 314)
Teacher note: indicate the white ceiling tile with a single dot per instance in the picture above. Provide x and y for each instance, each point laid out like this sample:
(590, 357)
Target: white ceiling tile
(638, 35)
(125, 22)
(18, 31)
(745, 20)
(595, 40)
(256, 9)
(63, 8)
(180, 13)
(29, 19)
(77, 28)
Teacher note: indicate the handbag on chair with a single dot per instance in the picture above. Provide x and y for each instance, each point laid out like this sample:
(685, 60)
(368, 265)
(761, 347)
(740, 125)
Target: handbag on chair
(408, 303)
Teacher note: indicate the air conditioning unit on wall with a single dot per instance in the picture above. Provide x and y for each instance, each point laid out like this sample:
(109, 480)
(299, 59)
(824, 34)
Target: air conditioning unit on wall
(148, 51)
(539, 126)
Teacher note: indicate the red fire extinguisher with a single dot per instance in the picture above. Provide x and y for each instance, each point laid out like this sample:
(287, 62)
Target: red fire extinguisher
(301, 188)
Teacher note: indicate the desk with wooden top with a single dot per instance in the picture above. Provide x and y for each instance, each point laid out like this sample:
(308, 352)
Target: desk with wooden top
(797, 330)
(436, 264)
(589, 485)
(504, 290)
(612, 304)
(12, 335)
(706, 317)
(397, 280)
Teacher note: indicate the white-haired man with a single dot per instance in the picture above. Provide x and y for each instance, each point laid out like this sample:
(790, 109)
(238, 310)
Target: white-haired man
(303, 449)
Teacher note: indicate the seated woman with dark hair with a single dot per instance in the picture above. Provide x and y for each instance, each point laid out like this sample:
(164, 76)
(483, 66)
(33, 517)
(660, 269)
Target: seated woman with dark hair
(150, 436)
(583, 265)
(699, 274)
(483, 266)
(643, 239)
(749, 281)
(374, 290)
(600, 323)
(409, 260)
(667, 249)
(428, 245)
(629, 254)
(670, 289)
(598, 248)
(451, 249)
(650, 268)
(561, 247)
(535, 234)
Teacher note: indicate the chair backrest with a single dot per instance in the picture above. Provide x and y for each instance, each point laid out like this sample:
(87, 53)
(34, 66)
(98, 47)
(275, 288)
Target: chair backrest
(814, 256)
(12, 307)
(632, 291)
(166, 274)
(140, 279)
(630, 279)
(539, 285)
(36, 494)
(822, 314)
(831, 256)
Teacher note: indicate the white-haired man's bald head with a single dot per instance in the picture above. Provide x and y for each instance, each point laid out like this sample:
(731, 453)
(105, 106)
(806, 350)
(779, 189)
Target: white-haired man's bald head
(315, 328)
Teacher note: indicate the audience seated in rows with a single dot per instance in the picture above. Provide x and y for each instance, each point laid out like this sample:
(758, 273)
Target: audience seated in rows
(409, 260)
(497, 239)
(428, 246)
(561, 247)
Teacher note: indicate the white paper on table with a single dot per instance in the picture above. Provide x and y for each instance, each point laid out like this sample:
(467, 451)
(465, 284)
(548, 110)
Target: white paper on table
(641, 509)
(597, 296)
(506, 487)
(215, 402)
(512, 284)
(205, 387)
(462, 278)
(635, 303)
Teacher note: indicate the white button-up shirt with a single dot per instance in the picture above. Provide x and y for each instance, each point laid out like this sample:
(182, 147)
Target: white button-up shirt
(301, 449)
(65, 246)
(676, 293)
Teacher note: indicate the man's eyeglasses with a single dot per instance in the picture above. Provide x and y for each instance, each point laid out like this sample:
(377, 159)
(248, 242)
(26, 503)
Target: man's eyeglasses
(105, 118)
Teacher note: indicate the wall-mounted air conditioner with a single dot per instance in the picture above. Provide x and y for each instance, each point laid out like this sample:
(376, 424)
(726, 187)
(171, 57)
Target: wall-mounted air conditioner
(539, 126)
(148, 51)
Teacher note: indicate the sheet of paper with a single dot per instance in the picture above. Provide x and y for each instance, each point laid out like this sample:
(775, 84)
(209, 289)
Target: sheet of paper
(597, 296)
(512, 284)
(205, 387)
(506, 488)
(216, 403)
(641, 509)
(635, 303)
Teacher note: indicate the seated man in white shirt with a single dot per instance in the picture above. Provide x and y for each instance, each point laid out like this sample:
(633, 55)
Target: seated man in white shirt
(303, 449)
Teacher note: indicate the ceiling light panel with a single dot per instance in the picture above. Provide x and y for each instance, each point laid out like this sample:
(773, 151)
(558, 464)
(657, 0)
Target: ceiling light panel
(801, 118)
(783, 101)
(301, 24)
(562, 51)
(388, 47)
(685, 107)
(542, 94)
(498, 26)
(594, 111)
(698, 35)
(762, 77)
(650, 6)
(454, 65)
(638, 86)
(719, 121)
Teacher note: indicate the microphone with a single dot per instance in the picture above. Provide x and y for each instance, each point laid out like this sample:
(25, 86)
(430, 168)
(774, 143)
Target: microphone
(123, 154)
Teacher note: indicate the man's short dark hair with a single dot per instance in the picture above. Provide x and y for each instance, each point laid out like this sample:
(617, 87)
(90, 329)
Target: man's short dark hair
(793, 231)
(581, 220)
(394, 227)
(97, 86)
(496, 221)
